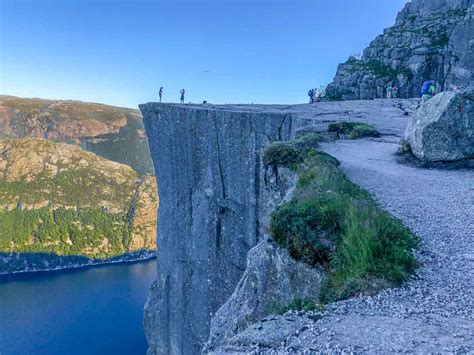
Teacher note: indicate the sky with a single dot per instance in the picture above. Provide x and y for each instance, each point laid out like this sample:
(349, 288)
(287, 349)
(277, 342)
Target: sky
(120, 52)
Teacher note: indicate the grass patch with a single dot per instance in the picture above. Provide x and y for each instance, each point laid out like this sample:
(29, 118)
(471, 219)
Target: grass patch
(334, 223)
(310, 141)
(353, 130)
(281, 154)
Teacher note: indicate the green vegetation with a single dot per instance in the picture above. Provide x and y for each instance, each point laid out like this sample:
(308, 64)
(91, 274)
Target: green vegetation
(91, 232)
(56, 198)
(354, 130)
(378, 68)
(309, 141)
(336, 224)
(441, 40)
(280, 154)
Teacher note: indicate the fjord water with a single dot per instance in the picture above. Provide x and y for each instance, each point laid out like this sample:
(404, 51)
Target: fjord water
(97, 310)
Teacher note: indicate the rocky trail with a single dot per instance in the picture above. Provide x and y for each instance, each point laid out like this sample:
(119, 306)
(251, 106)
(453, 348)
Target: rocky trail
(434, 310)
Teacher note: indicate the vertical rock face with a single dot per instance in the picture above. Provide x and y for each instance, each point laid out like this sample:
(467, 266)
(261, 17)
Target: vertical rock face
(210, 185)
(431, 39)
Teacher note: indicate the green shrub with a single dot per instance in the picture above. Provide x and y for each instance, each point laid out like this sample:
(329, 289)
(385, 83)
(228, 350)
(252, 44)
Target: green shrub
(333, 222)
(353, 130)
(309, 141)
(363, 130)
(280, 154)
(304, 228)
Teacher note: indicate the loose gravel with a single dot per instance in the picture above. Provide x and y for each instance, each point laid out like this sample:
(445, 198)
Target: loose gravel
(433, 312)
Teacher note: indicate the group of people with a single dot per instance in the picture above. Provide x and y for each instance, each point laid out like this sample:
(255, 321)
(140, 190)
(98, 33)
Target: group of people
(181, 92)
(391, 91)
(313, 96)
(428, 90)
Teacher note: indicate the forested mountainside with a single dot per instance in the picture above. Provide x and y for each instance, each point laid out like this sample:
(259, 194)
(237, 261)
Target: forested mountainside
(57, 198)
(76, 179)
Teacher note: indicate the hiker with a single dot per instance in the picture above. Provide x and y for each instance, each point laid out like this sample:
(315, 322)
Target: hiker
(311, 95)
(161, 93)
(182, 95)
(427, 90)
(394, 92)
(388, 91)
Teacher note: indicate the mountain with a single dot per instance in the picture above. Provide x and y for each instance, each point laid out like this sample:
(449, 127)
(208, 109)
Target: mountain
(77, 184)
(57, 198)
(112, 132)
(431, 40)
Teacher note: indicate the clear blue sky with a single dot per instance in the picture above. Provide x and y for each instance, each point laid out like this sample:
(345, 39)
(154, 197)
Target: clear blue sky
(120, 52)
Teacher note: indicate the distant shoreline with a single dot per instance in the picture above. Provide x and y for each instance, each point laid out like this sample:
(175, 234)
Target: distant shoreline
(126, 258)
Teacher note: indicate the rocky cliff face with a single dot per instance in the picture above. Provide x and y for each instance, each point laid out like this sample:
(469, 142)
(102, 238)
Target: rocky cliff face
(215, 199)
(431, 39)
(211, 182)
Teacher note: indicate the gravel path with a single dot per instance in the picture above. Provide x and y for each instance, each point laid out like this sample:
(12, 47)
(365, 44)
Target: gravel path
(434, 311)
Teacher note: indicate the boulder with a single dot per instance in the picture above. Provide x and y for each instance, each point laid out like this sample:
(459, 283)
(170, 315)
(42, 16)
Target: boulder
(442, 129)
(271, 281)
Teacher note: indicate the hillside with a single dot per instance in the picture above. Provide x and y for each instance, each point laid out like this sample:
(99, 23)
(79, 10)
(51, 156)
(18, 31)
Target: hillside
(431, 40)
(112, 132)
(57, 198)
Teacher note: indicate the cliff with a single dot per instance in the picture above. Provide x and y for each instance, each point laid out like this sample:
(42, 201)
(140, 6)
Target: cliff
(431, 40)
(211, 183)
(216, 196)
(58, 199)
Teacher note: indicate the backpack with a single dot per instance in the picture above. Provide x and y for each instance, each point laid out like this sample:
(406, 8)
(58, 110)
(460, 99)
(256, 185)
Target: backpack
(311, 92)
(425, 88)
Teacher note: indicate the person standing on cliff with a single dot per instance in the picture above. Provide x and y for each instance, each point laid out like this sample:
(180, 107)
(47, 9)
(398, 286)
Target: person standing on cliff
(182, 92)
(161, 93)
(311, 95)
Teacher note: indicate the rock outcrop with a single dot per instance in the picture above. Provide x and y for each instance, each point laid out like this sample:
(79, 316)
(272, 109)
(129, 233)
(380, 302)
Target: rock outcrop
(442, 129)
(431, 39)
(211, 182)
(272, 280)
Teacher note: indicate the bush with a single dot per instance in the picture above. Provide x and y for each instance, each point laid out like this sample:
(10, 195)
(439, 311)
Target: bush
(333, 222)
(310, 141)
(280, 154)
(363, 130)
(304, 228)
(353, 130)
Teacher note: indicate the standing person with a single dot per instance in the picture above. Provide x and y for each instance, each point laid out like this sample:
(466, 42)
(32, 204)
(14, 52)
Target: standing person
(427, 90)
(395, 91)
(182, 92)
(389, 91)
(311, 95)
(161, 93)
